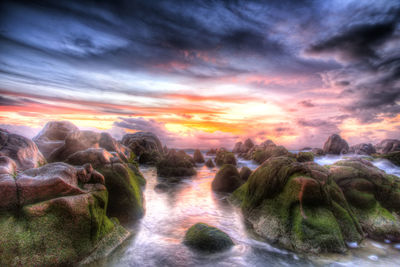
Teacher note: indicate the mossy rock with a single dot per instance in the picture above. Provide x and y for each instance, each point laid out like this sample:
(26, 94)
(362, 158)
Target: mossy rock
(373, 196)
(176, 164)
(198, 156)
(124, 182)
(245, 173)
(225, 157)
(207, 238)
(305, 156)
(297, 206)
(227, 179)
(56, 232)
(261, 155)
(393, 157)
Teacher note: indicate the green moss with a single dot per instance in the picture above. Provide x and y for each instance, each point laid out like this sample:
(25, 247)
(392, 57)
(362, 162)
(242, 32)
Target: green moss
(393, 157)
(125, 195)
(225, 157)
(55, 232)
(305, 156)
(360, 199)
(207, 238)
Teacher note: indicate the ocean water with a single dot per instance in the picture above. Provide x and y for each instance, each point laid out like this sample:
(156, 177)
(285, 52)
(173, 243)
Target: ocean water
(172, 208)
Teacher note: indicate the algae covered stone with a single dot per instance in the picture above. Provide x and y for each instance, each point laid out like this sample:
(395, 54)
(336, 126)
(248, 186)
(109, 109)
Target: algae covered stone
(207, 238)
(298, 206)
(227, 179)
(224, 157)
(305, 156)
(176, 164)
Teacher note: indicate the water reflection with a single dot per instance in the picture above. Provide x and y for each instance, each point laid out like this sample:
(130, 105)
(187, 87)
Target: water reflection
(171, 208)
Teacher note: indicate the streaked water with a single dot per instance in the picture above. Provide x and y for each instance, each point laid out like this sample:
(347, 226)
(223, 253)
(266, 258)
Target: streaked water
(172, 208)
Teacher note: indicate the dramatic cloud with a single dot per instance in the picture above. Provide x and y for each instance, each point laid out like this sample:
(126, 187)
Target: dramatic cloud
(195, 71)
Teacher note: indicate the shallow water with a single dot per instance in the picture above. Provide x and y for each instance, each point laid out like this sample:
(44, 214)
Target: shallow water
(172, 208)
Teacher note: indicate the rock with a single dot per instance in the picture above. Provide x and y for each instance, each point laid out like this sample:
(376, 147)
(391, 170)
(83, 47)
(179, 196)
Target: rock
(243, 148)
(393, 157)
(52, 136)
(52, 215)
(21, 150)
(198, 156)
(144, 143)
(124, 182)
(110, 144)
(98, 157)
(211, 152)
(237, 148)
(7, 166)
(74, 142)
(336, 145)
(363, 149)
(317, 151)
(227, 179)
(244, 173)
(210, 163)
(225, 157)
(305, 156)
(261, 155)
(373, 195)
(388, 145)
(207, 238)
(175, 164)
(298, 206)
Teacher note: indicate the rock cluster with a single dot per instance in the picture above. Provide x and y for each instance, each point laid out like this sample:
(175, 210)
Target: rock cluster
(176, 164)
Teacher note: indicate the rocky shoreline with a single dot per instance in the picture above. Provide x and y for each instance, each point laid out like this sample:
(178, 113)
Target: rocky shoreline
(72, 196)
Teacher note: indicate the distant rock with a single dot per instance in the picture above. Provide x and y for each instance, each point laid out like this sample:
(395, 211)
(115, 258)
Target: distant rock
(363, 149)
(53, 135)
(305, 156)
(227, 179)
(21, 150)
(261, 154)
(336, 145)
(211, 152)
(175, 164)
(388, 145)
(245, 173)
(317, 151)
(145, 145)
(224, 157)
(210, 163)
(207, 238)
(198, 156)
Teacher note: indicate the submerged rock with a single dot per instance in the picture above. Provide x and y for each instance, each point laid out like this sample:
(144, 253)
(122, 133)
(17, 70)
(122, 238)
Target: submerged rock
(373, 195)
(227, 179)
(207, 238)
(298, 206)
(336, 145)
(175, 164)
(21, 150)
(198, 156)
(210, 163)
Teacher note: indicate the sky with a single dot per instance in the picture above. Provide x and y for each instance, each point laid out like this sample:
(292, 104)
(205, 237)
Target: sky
(204, 73)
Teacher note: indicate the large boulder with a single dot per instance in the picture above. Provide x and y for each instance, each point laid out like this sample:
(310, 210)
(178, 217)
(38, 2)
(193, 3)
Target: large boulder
(122, 180)
(207, 238)
(198, 156)
(175, 164)
(227, 179)
(52, 136)
(363, 149)
(237, 148)
(58, 217)
(336, 145)
(388, 145)
(210, 163)
(224, 157)
(298, 206)
(21, 150)
(243, 148)
(373, 195)
(145, 145)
